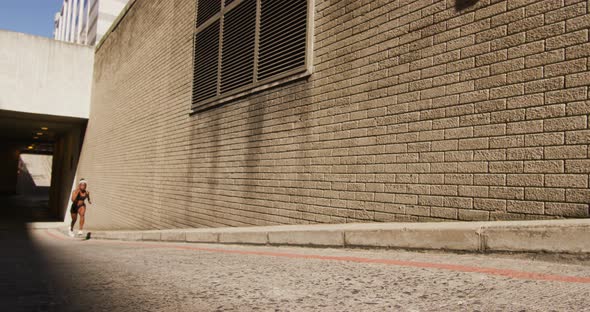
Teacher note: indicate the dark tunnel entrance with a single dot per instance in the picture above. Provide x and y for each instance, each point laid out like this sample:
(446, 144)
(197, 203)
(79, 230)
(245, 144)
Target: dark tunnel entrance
(38, 160)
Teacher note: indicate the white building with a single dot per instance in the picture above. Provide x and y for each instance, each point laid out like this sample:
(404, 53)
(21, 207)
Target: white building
(86, 21)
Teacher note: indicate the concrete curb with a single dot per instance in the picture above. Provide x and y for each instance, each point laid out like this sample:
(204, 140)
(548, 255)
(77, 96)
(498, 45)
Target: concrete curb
(45, 225)
(552, 236)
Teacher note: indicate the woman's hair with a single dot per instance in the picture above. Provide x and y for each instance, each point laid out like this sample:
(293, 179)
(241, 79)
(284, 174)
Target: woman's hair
(82, 181)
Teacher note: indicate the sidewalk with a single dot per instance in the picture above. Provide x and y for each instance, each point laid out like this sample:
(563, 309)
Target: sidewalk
(553, 236)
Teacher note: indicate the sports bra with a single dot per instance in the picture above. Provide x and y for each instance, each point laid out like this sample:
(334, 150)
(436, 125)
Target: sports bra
(80, 197)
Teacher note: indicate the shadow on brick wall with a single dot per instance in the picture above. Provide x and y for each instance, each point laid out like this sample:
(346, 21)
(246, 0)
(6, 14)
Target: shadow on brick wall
(464, 4)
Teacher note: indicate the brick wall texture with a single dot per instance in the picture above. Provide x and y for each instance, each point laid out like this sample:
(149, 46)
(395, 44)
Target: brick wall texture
(417, 110)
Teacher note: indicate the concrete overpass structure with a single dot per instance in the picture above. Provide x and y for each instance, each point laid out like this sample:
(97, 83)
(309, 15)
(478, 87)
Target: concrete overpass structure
(44, 106)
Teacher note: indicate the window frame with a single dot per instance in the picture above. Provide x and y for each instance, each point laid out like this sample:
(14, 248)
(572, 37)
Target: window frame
(257, 85)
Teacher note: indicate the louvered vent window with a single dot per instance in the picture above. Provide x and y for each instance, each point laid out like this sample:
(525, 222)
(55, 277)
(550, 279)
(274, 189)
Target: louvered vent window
(237, 57)
(206, 63)
(282, 36)
(245, 45)
(207, 9)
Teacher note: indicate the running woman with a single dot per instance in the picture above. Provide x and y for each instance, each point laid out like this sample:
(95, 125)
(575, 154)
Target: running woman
(79, 197)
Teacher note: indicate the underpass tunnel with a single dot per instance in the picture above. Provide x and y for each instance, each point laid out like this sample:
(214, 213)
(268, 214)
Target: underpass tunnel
(38, 160)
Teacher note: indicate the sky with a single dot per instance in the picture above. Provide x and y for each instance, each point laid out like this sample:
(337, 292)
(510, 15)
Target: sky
(29, 16)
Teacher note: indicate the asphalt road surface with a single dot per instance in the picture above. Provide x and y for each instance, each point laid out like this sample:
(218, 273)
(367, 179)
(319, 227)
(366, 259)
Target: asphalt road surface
(43, 270)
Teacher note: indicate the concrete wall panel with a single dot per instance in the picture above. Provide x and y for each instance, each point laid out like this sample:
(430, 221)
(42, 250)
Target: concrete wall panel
(44, 76)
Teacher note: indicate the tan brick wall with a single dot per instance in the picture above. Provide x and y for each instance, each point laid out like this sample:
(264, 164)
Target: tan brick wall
(416, 111)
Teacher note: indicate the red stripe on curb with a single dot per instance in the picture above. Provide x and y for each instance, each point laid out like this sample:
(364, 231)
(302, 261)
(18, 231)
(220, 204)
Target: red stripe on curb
(415, 264)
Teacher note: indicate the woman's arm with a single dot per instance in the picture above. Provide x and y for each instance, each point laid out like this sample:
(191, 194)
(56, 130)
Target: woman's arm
(89, 201)
(75, 194)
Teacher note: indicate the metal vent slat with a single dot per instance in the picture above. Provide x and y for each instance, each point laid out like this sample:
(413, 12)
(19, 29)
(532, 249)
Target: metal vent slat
(288, 56)
(290, 34)
(206, 63)
(278, 11)
(289, 25)
(279, 68)
(283, 17)
(285, 47)
(237, 60)
(281, 43)
(207, 9)
(290, 50)
(288, 29)
(283, 35)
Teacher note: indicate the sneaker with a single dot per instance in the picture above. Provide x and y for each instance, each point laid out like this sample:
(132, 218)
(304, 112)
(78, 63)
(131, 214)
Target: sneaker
(80, 232)
(71, 233)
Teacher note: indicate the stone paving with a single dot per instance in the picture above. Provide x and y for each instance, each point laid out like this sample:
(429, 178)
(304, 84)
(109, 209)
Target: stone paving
(47, 271)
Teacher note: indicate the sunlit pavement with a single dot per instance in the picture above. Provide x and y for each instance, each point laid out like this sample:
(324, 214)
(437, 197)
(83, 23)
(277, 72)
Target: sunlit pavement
(48, 271)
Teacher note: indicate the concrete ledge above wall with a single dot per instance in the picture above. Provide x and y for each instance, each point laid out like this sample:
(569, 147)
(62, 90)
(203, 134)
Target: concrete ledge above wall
(44, 76)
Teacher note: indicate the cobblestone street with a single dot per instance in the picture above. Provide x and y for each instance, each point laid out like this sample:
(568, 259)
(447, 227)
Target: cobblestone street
(63, 274)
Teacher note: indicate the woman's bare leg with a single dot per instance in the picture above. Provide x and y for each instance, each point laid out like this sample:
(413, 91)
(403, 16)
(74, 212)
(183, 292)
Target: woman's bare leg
(74, 219)
(82, 212)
